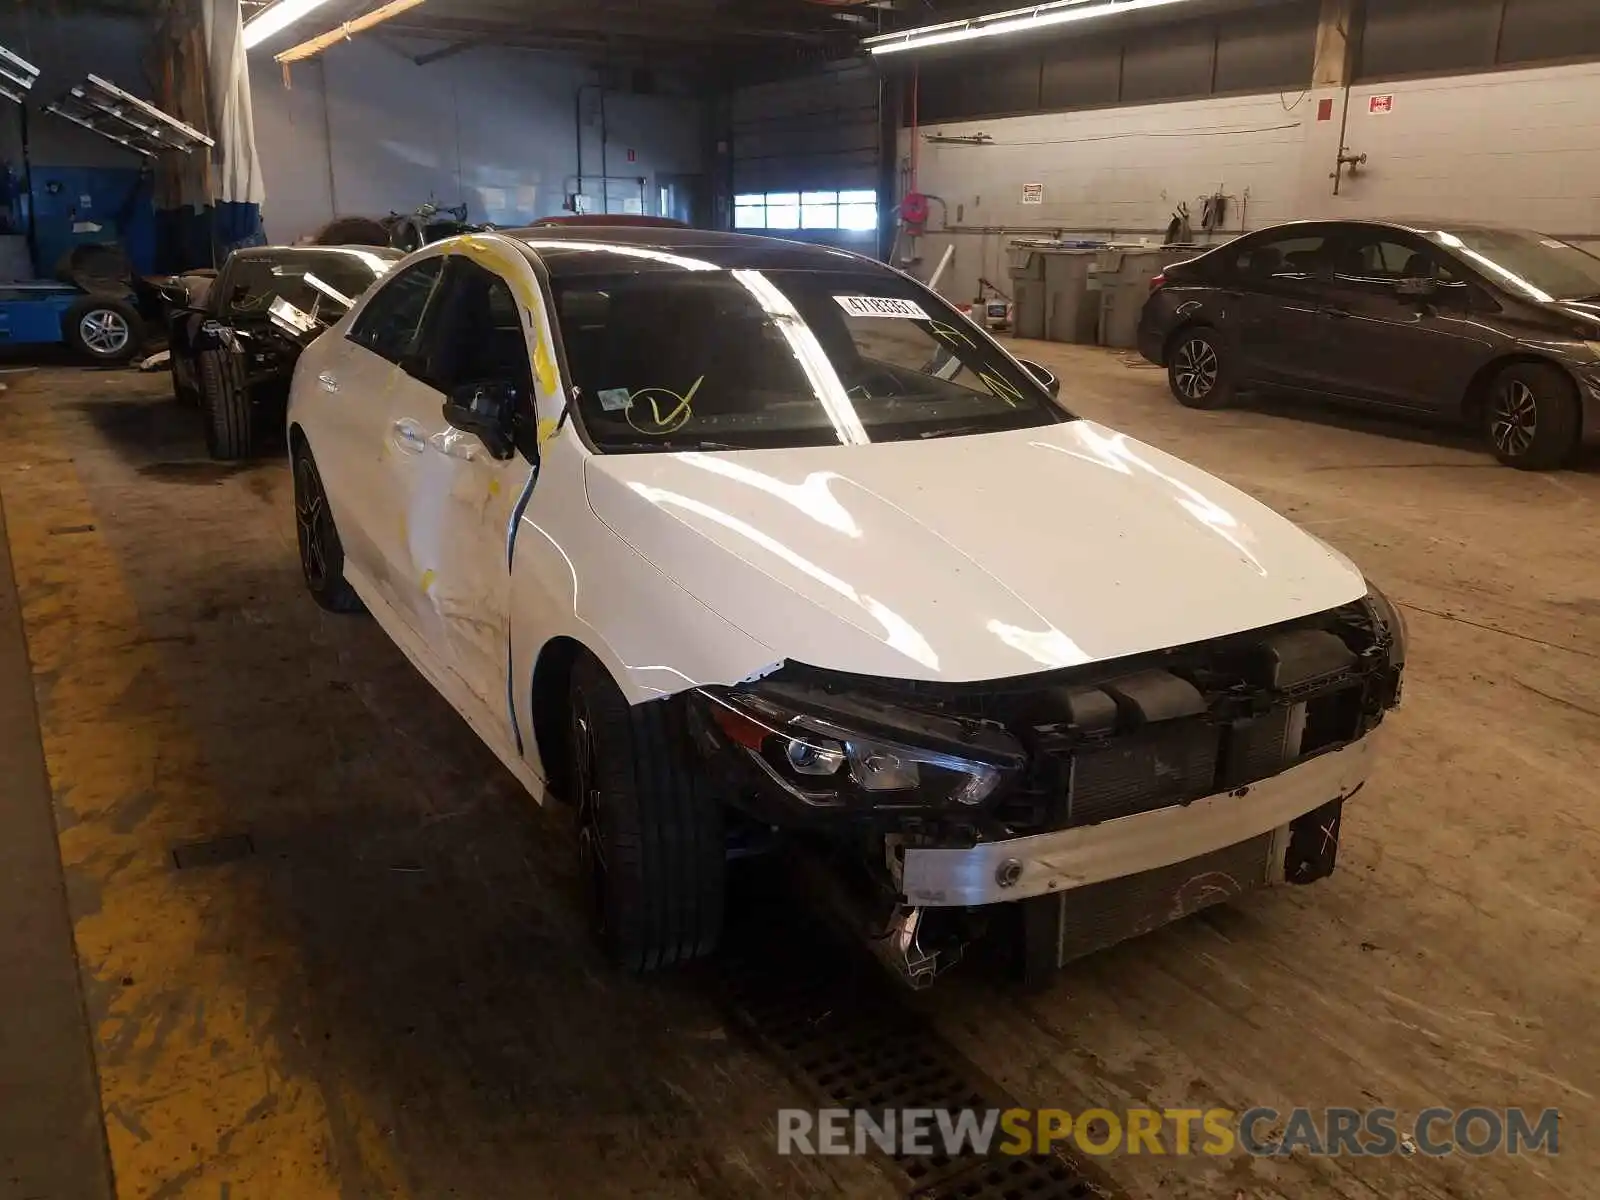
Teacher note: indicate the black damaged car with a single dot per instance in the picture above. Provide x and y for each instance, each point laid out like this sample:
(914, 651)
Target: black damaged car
(235, 343)
(1496, 327)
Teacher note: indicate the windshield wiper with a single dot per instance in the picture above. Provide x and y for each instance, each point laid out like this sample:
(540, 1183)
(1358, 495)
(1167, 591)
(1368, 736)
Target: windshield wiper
(964, 431)
(670, 445)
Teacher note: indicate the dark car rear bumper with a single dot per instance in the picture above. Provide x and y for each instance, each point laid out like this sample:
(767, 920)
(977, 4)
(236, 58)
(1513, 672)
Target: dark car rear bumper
(1153, 346)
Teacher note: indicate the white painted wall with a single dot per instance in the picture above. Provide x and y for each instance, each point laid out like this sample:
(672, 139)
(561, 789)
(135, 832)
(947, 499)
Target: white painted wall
(1519, 147)
(364, 129)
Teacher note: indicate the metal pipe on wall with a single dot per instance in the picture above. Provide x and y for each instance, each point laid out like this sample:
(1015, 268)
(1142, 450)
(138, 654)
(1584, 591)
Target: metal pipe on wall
(577, 129)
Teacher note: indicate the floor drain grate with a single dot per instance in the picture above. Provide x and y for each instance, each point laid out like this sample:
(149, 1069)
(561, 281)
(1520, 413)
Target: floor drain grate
(213, 853)
(1038, 1178)
(843, 1030)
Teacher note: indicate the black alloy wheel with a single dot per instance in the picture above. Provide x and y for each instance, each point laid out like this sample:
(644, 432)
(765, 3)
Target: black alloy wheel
(1533, 417)
(321, 553)
(591, 812)
(1197, 369)
(1514, 423)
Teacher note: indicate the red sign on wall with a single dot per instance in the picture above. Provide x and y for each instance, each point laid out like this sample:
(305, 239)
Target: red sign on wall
(1380, 106)
(632, 157)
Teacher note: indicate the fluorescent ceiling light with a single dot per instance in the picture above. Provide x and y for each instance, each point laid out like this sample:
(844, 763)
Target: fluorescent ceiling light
(276, 19)
(1016, 20)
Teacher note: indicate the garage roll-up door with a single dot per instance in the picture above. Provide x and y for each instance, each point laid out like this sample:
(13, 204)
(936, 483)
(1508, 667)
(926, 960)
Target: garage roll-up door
(806, 156)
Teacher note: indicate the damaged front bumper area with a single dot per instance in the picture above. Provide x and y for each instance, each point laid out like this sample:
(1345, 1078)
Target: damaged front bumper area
(1100, 802)
(1021, 868)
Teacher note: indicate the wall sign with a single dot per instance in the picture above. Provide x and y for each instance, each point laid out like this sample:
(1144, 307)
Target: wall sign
(1033, 193)
(1380, 106)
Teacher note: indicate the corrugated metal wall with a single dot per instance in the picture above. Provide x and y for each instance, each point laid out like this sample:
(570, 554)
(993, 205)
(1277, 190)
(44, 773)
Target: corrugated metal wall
(818, 132)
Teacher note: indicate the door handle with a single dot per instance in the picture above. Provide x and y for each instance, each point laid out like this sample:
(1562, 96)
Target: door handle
(408, 436)
(328, 382)
(1338, 314)
(452, 443)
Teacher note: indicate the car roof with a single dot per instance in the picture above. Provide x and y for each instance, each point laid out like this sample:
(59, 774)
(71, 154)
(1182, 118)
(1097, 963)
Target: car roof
(270, 251)
(1422, 225)
(594, 249)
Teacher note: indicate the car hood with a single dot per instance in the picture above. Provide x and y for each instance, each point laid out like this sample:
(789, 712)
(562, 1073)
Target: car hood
(966, 558)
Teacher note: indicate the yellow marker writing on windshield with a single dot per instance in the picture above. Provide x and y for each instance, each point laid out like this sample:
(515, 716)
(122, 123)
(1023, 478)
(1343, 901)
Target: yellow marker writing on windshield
(675, 417)
(1001, 388)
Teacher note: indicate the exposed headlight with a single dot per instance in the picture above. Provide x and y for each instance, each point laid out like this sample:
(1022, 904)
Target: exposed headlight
(828, 760)
(1386, 612)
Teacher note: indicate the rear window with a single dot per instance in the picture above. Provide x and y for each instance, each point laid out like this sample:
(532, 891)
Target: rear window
(715, 359)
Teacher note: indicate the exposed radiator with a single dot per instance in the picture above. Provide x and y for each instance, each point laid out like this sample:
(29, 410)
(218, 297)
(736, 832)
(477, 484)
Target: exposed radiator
(1061, 927)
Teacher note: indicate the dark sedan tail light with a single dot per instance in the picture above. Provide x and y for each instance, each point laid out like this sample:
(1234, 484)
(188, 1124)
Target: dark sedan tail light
(1157, 280)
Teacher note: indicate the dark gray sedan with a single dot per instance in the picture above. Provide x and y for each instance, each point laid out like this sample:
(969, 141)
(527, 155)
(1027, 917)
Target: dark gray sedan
(1493, 326)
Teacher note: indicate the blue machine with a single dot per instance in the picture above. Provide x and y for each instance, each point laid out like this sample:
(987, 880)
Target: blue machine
(34, 313)
(51, 211)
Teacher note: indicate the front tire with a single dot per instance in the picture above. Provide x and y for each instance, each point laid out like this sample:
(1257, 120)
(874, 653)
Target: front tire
(225, 399)
(650, 838)
(103, 331)
(1199, 368)
(1533, 417)
(321, 552)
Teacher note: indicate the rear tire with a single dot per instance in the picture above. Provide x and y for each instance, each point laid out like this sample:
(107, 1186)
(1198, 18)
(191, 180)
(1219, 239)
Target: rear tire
(1199, 368)
(103, 330)
(650, 837)
(1533, 417)
(225, 398)
(321, 552)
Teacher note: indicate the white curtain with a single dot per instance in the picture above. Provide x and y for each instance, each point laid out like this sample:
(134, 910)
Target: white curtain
(237, 178)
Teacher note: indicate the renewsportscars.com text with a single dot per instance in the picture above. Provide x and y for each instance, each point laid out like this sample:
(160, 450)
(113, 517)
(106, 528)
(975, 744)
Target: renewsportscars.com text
(1263, 1132)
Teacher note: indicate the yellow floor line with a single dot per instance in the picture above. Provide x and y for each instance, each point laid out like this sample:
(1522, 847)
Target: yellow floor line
(200, 1093)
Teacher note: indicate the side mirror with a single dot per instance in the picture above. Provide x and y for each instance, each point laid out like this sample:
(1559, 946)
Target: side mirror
(1419, 288)
(1044, 376)
(487, 411)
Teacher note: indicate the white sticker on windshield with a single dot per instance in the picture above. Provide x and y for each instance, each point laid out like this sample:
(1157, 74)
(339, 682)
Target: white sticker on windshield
(880, 306)
(615, 399)
(1553, 244)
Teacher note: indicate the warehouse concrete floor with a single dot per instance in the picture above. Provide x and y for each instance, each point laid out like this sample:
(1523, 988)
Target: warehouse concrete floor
(365, 973)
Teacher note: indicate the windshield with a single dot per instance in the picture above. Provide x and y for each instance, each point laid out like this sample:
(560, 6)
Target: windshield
(1543, 268)
(321, 284)
(714, 359)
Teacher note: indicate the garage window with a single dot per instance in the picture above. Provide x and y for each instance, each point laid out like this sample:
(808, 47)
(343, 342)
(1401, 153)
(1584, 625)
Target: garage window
(854, 211)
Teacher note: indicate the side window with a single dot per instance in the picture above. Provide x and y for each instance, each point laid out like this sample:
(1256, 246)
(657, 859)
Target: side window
(1292, 258)
(389, 325)
(478, 336)
(1375, 258)
(1376, 262)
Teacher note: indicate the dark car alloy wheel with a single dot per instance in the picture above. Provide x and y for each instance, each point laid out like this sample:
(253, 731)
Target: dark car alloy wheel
(1195, 368)
(1514, 423)
(105, 331)
(312, 524)
(591, 831)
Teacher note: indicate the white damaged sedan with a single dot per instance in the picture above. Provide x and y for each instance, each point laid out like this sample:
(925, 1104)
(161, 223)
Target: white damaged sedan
(731, 541)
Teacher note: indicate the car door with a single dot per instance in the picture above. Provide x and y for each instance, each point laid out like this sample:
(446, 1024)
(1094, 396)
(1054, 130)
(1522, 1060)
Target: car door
(458, 498)
(1394, 346)
(1278, 284)
(355, 435)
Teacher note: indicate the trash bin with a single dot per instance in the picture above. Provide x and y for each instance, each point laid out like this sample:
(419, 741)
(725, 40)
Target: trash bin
(1125, 274)
(1072, 299)
(1027, 293)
